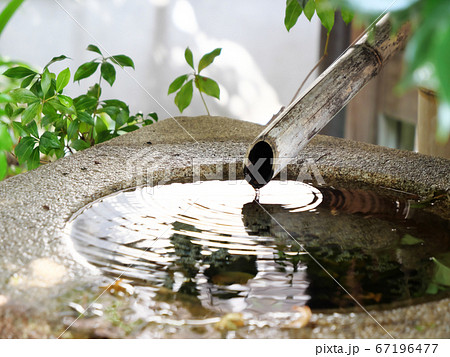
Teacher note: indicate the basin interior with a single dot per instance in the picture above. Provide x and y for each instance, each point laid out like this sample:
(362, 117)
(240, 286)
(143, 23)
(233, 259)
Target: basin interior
(210, 243)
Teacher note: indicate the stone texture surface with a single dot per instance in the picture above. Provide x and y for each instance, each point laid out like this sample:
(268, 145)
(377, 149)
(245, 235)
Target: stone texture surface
(35, 206)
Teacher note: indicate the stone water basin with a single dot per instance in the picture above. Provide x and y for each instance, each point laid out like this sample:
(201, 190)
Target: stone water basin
(366, 215)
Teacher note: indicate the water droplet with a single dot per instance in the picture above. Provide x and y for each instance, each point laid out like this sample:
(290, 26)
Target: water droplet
(257, 194)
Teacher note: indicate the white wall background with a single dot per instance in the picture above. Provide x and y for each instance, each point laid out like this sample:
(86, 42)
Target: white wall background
(260, 68)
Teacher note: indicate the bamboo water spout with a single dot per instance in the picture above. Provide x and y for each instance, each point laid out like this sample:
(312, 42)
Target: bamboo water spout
(295, 126)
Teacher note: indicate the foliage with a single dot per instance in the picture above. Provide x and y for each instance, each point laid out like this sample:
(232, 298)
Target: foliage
(8, 12)
(46, 121)
(5, 146)
(441, 277)
(184, 86)
(427, 53)
(324, 9)
(7, 167)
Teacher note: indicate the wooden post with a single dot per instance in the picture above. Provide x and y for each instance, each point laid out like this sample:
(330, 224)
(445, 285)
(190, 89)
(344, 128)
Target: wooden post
(295, 126)
(426, 126)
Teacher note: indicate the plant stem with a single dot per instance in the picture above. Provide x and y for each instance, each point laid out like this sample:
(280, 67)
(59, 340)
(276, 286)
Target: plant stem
(201, 95)
(98, 93)
(204, 103)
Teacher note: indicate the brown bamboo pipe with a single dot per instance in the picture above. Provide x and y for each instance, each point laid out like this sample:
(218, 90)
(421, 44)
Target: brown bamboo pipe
(284, 137)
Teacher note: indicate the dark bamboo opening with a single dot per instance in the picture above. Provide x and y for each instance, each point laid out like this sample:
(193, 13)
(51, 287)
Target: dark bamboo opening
(260, 165)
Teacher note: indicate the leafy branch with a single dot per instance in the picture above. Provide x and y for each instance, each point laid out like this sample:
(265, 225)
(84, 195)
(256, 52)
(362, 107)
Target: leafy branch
(427, 52)
(325, 10)
(326, 13)
(185, 86)
(49, 124)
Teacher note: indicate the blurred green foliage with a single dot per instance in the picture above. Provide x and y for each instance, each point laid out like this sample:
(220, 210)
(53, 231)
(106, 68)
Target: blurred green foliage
(427, 54)
(8, 11)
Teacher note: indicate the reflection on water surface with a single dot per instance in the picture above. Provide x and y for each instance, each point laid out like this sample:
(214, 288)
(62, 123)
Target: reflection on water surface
(212, 244)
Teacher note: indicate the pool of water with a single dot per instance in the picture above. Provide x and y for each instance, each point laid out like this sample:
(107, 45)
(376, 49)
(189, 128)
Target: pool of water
(212, 244)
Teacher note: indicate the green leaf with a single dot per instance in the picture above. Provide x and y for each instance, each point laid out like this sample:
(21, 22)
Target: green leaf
(3, 165)
(22, 95)
(207, 59)
(184, 96)
(123, 61)
(18, 129)
(48, 109)
(442, 270)
(105, 136)
(46, 81)
(17, 112)
(56, 104)
(110, 110)
(326, 14)
(56, 59)
(108, 72)
(79, 145)
(408, 239)
(8, 11)
(121, 119)
(24, 148)
(18, 72)
(293, 12)
(48, 141)
(115, 103)
(36, 89)
(177, 83)
(85, 70)
(31, 112)
(94, 48)
(85, 118)
(347, 15)
(95, 91)
(9, 110)
(5, 139)
(100, 125)
(63, 79)
(34, 159)
(85, 102)
(72, 130)
(32, 129)
(5, 98)
(208, 86)
(189, 57)
(154, 116)
(432, 289)
(49, 119)
(129, 128)
(65, 100)
(309, 9)
(27, 81)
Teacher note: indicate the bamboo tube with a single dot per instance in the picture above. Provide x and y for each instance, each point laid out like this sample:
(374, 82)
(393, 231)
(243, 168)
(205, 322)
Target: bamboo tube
(295, 126)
